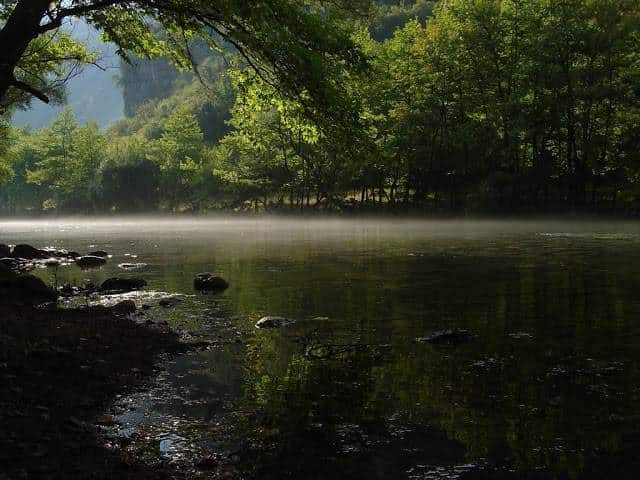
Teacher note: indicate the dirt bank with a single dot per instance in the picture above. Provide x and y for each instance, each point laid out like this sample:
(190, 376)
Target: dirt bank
(59, 370)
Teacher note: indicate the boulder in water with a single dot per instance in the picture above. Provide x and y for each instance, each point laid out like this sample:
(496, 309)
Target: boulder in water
(122, 285)
(5, 251)
(273, 322)
(89, 261)
(28, 252)
(209, 282)
(98, 253)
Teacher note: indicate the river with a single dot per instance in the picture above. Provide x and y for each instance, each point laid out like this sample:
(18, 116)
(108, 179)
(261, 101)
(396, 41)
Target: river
(547, 387)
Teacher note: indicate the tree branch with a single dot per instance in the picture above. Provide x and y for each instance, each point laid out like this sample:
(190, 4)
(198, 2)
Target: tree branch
(29, 89)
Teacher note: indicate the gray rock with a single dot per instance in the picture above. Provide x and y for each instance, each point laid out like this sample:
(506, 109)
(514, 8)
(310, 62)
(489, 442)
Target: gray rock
(209, 283)
(122, 285)
(90, 261)
(27, 251)
(273, 322)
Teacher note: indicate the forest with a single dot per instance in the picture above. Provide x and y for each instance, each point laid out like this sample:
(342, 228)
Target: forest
(455, 106)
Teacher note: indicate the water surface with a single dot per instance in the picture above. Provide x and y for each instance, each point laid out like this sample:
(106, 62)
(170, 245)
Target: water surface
(548, 388)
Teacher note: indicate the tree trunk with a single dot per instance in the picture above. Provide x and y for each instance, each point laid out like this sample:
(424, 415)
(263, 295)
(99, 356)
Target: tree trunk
(22, 26)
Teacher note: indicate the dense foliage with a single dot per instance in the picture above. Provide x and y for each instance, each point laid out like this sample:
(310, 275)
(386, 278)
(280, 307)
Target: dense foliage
(488, 105)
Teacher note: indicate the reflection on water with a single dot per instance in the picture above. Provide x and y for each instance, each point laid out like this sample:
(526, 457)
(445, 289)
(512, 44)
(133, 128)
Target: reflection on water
(548, 387)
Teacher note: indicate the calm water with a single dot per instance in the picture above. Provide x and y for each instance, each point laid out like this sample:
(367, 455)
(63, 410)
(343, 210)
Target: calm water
(549, 387)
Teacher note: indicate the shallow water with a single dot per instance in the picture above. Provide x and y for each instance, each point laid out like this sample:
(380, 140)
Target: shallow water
(547, 388)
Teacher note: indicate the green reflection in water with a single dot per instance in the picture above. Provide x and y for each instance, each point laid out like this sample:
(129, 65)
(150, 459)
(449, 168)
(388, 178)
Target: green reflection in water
(550, 380)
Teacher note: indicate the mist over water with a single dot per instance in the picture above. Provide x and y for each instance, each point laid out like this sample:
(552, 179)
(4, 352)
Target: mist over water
(549, 382)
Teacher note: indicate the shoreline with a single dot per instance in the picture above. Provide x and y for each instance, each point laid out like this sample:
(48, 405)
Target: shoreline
(360, 213)
(60, 370)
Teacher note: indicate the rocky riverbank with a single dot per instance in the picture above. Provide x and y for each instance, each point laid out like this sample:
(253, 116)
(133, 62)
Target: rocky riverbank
(60, 368)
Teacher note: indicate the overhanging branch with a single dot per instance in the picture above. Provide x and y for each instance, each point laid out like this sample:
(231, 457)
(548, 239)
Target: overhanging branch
(29, 89)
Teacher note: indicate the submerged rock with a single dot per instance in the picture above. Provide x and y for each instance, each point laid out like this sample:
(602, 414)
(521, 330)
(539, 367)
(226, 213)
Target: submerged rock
(27, 251)
(89, 261)
(169, 302)
(447, 337)
(24, 289)
(209, 282)
(273, 322)
(122, 285)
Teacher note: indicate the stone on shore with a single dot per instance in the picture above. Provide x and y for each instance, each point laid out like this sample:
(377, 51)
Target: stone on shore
(24, 289)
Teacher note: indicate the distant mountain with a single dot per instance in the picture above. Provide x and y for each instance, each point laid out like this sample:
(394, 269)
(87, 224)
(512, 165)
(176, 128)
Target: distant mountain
(94, 94)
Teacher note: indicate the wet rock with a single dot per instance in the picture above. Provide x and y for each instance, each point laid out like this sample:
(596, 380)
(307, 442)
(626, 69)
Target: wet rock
(125, 307)
(10, 263)
(273, 322)
(447, 337)
(5, 251)
(209, 282)
(90, 262)
(169, 302)
(24, 289)
(68, 290)
(146, 306)
(122, 285)
(132, 266)
(51, 262)
(27, 251)
(57, 252)
(98, 253)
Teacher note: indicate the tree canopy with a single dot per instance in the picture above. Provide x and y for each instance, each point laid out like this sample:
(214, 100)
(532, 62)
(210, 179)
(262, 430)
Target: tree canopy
(527, 105)
(291, 42)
